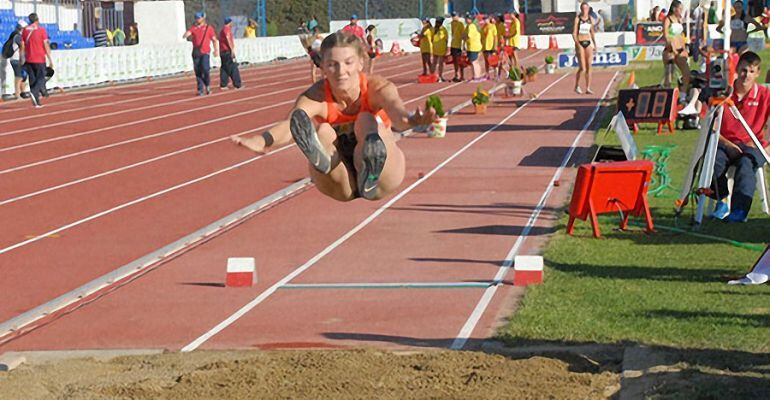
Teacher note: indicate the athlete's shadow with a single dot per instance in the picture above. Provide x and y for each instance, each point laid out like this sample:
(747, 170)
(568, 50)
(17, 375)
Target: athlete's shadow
(553, 156)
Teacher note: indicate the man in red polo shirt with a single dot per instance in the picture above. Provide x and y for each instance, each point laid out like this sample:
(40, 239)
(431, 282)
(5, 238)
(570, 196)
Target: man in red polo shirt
(201, 35)
(353, 28)
(35, 49)
(736, 147)
(229, 69)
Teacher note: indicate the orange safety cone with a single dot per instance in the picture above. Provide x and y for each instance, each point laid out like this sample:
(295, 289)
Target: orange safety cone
(531, 45)
(631, 80)
(552, 44)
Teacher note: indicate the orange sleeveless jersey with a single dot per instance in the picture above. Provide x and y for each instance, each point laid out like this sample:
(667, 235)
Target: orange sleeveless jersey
(335, 117)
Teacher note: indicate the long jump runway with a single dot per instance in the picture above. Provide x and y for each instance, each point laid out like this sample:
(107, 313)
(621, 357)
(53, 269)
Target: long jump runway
(90, 192)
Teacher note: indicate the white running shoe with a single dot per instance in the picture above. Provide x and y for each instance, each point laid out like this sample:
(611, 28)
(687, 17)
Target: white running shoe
(578, 90)
(689, 110)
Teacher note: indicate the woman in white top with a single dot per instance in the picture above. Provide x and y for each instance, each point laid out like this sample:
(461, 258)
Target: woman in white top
(583, 34)
(675, 52)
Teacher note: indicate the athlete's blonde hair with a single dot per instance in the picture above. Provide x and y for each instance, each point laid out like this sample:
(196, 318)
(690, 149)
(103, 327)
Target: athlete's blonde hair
(342, 39)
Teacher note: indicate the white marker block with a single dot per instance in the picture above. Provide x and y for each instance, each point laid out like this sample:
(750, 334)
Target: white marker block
(527, 270)
(241, 272)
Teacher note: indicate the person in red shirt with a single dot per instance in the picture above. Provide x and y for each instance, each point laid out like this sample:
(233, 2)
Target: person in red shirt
(736, 147)
(353, 28)
(229, 69)
(35, 49)
(202, 34)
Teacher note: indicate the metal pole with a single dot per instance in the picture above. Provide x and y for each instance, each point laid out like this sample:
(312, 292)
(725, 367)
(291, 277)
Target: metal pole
(263, 17)
(727, 30)
(56, 7)
(421, 9)
(366, 11)
(329, 7)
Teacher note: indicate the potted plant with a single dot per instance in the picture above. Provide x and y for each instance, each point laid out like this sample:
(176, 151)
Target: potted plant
(530, 73)
(438, 127)
(550, 66)
(513, 87)
(480, 100)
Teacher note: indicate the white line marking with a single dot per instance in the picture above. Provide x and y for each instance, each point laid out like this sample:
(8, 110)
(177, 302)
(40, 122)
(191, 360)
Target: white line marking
(138, 83)
(141, 264)
(109, 279)
(251, 81)
(164, 191)
(486, 298)
(286, 279)
(151, 106)
(139, 200)
(141, 138)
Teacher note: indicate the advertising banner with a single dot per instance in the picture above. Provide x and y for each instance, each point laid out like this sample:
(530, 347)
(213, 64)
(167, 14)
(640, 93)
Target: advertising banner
(549, 24)
(603, 59)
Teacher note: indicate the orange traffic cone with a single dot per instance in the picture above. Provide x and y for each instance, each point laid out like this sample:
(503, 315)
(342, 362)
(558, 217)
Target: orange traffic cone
(531, 45)
(631, 83)
(552, 45)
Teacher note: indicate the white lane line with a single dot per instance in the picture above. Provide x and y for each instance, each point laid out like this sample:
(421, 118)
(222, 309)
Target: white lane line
(142, 264)
(251, 81)
(286, 279)
(154, 135)
(151, 106)
(165, 191)
(486, 298)
(128, 85)
(184, 150)
(139, 200)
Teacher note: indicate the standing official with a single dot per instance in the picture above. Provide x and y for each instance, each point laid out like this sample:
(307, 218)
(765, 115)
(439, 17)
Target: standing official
(202, 34)
(229, 70)
(35, 49)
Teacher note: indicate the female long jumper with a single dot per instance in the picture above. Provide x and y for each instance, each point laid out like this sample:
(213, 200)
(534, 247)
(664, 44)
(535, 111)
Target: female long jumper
(343, 123)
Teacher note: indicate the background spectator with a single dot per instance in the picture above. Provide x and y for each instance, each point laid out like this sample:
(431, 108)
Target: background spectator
(312, 24)
(229, 70)
(35, 49)
(600, 23)
(353, 27)
(133, 35)
(251, 29)
(202, 35)
(100, 36)
(118, 37)
(654, 14)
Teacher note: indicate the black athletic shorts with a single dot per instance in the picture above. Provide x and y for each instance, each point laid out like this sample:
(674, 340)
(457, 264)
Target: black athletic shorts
(455, 52)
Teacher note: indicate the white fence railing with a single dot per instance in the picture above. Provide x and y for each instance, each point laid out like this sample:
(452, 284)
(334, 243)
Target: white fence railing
(84, 67)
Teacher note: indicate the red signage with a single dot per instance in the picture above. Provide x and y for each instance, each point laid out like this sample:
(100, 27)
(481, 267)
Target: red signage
(613, 187)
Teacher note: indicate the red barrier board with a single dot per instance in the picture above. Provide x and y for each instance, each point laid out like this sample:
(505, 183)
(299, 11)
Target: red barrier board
(608, 188)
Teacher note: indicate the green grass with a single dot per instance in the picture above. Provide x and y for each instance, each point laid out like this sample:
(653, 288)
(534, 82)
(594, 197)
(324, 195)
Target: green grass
(666, 289)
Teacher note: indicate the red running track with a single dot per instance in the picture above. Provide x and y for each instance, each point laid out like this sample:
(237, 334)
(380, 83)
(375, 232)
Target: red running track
(456, 224)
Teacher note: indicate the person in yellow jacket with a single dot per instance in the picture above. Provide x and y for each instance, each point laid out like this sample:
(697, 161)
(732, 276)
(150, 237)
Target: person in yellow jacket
(513, 41)
(251, 30)
(440, 42)
(489, 42)
(426, 45)
(502, 42)
(456, 46)
(473, 46)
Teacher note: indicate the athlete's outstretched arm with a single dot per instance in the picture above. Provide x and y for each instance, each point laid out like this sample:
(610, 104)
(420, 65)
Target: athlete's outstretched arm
(386, 97)
(279, 135)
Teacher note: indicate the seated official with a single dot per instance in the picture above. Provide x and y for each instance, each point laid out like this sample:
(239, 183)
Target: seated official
(736, 149)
